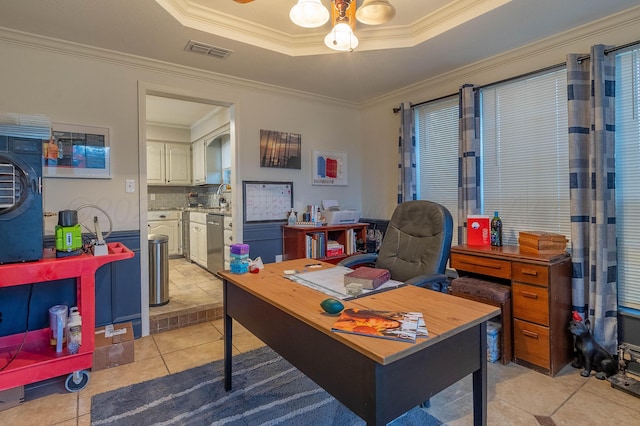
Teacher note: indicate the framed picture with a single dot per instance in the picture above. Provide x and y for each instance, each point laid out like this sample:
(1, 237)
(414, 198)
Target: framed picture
(76, 152)
(280, 149)
(329, 168)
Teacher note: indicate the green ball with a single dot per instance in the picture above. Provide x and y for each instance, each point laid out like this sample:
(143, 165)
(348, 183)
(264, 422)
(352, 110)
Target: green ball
(331, 306)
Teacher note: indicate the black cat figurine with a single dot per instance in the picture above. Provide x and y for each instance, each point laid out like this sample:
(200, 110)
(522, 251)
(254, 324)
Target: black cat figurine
(589, 354)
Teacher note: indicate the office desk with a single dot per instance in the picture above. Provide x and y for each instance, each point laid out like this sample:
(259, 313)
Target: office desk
(377, 379)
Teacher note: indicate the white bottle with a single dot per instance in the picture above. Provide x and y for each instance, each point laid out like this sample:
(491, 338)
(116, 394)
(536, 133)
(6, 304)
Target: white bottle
(292, 218)
(74, 335)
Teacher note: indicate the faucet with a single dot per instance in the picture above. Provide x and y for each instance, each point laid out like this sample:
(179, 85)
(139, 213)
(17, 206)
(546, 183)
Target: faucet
(225, 187)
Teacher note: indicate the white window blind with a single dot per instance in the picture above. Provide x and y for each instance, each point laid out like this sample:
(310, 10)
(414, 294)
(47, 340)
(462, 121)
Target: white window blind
(525, 167)
(628, 177)
(437, 144)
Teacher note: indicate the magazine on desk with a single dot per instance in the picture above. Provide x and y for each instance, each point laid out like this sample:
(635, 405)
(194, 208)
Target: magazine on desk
(403, 326)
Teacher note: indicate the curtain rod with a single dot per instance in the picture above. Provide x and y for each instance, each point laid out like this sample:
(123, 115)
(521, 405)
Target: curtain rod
(607, 51)
(580, 59)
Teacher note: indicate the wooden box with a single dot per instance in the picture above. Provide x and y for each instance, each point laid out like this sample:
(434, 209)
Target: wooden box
(542, 242)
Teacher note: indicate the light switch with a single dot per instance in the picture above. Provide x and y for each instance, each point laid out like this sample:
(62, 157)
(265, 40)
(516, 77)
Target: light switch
(130, 186)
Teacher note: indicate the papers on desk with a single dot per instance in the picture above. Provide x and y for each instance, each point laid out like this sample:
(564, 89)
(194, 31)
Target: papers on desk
(403, 326)
(331, 282)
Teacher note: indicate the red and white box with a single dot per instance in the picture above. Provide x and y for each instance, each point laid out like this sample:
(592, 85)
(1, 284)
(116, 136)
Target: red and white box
(478, 230)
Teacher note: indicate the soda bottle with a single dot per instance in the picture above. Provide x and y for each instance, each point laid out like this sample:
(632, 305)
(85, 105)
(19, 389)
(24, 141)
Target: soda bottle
(496, 230)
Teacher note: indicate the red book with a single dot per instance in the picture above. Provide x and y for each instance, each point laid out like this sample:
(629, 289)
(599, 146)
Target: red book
(370, 278)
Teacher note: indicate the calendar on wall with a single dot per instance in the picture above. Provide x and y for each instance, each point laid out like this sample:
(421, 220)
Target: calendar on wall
(267, 201)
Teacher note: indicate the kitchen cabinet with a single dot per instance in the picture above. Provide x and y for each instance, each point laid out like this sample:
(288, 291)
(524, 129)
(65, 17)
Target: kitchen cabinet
(168, 163)
(228, 240)
(198, 238)
(167, 223)
(541, 298)
(207, 156)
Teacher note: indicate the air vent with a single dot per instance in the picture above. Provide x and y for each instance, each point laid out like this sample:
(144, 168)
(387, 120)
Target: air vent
(206, 49)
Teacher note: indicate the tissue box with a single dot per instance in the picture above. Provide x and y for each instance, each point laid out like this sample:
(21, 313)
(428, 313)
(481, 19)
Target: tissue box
(114, 346)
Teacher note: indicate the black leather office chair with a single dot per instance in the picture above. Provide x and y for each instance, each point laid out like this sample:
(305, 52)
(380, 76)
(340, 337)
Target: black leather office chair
(416, 245)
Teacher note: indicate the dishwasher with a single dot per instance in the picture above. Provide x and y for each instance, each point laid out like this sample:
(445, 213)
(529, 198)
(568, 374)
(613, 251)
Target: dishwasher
(215, 242)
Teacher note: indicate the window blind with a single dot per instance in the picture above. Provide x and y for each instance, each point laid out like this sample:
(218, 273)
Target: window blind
(525, 167)
(437, 145)
(628, 177)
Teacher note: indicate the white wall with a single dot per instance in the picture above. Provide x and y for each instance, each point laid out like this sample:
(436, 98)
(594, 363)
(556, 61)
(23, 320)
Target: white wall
(80, 85)
(379, 126)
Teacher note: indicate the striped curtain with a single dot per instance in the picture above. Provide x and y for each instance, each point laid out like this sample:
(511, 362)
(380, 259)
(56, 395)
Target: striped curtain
(591, 110)
(406, 155)
(468, 158)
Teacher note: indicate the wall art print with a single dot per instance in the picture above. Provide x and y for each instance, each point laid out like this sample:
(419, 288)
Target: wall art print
(329, 168)
(280, 149)
(76, 152)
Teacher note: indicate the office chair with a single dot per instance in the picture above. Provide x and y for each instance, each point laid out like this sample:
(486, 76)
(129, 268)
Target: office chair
(415, 247)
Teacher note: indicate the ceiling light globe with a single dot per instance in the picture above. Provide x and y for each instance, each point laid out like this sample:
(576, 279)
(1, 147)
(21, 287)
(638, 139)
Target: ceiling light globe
(375, 12)
(309, 14)
(341, 38)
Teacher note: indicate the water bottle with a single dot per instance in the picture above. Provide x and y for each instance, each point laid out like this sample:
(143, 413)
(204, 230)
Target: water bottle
(496, 230)
(292, 219)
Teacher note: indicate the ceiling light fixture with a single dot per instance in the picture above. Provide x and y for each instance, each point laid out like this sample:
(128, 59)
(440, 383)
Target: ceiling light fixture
(309, 14)
(312, 14)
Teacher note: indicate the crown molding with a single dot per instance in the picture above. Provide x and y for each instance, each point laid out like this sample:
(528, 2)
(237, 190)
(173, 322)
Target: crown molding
(194, 15)
(612, 30)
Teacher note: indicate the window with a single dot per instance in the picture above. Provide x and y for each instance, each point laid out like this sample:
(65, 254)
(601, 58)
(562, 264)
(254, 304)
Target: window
(628, 177)
(437, 144)
(525, 165)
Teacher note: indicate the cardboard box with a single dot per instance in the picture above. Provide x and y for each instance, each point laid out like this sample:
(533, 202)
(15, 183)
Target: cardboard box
(478, 230)
(114, 346)
(11, 397)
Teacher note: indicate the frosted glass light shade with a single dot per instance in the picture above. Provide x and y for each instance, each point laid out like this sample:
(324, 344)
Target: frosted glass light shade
(309, 14)
(341, 38)
(375, 12)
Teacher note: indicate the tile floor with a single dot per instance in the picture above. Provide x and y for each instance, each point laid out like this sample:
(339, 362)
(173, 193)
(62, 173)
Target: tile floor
(195, 296)
(517, 395)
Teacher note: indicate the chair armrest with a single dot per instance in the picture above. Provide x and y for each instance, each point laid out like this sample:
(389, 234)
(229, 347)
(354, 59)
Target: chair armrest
(436, 282)
(359, 260)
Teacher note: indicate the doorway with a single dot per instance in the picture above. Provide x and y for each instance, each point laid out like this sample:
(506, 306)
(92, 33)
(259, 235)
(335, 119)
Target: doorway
(172, 125)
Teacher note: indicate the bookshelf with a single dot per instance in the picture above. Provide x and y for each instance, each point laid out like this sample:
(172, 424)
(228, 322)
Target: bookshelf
(319, 242)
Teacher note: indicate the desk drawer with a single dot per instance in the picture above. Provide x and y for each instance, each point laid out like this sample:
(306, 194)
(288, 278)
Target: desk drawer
(481, 265)
(530, 303)
(531, 343)
(531, 274)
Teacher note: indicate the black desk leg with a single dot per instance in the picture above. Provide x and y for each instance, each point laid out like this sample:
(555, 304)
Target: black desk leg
(228, 321)
(480, 382)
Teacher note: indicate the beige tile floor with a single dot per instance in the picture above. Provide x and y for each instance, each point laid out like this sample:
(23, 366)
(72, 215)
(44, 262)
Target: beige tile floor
(517, 395)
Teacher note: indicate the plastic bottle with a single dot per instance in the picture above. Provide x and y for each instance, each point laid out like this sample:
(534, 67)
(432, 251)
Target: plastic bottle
(496, 230)
(74, 335)
(292, 219)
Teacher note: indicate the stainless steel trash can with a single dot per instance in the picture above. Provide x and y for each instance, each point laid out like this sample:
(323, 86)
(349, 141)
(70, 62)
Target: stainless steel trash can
(158, 270)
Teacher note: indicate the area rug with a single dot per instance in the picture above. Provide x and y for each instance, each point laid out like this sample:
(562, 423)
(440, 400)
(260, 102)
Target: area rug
(267, 390)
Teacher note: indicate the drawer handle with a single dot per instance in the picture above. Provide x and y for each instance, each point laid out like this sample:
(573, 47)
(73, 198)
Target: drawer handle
(530, 334)
(530, 272)
(529, 295)
(481, 265)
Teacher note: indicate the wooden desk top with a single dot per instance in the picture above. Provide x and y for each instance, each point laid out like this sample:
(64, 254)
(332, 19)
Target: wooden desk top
(508, 252)
(444, 315)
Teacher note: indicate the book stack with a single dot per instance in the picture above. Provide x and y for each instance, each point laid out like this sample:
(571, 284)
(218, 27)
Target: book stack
(334, 248)
(532, 242)
(370, 278)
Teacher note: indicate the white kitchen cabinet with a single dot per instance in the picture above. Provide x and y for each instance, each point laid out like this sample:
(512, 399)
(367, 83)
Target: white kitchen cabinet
(166, 223)
(228, 240)
(198, 162)
(207, 156)
(168, 163)
(198, 238)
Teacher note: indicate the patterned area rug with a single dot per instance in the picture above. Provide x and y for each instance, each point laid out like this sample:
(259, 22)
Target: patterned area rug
(267, 390)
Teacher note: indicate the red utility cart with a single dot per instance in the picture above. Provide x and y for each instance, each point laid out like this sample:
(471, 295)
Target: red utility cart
(35, 358)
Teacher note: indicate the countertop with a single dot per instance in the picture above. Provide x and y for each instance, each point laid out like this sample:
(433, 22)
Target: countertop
(225, 212)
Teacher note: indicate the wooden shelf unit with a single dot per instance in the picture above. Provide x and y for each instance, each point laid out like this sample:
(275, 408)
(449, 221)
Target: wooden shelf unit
(541, 298)
(36, 359)
(294, 240)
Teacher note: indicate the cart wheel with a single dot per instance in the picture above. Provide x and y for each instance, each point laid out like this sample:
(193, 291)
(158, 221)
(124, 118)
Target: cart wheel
(77, 381)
